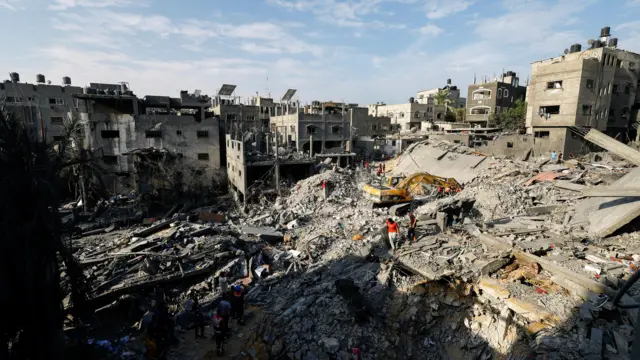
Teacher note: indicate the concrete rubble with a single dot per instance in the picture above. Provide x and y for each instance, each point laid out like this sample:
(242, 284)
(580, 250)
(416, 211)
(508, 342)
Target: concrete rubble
(509, 267)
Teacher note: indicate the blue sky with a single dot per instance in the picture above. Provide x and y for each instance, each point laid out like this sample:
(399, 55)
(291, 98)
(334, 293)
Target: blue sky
(353, 50)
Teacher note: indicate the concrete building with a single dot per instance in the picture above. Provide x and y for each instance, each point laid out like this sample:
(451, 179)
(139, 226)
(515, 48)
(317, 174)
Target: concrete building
(489, 98)
(595, 88)
(120, 125)
(317, 107)
(410, 116)
(44, 106)
(455, 101)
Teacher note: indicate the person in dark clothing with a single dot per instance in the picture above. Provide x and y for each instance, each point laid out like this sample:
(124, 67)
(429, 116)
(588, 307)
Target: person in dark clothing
(218, 332)
(411, 232)
(224, 310)
(198, 317)
(237, 304)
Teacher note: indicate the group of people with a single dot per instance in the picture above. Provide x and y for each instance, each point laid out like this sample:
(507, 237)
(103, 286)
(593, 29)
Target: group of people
(394, 230)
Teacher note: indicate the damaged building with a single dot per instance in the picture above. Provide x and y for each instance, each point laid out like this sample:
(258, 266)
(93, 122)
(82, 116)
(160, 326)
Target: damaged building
(44, 106)
(120, 126)
(411, 116)
(453, 96)
(593, 88)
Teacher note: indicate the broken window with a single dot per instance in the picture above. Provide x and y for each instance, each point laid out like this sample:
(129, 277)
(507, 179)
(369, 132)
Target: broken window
(335, 129)
(178, 132)
(541, 134)
(439, 116)
(250, 118)
(57, 120)
(56, 101)
(110, 159)
(551, 110)
(616, 89)
(110, 134)
(231, 117)
(401, 115)
(554, 84)
(202, 134)
(10, 99)
(203, 156)
(590, 84)
(586, 109)
(393, 142)
(509, 144)
(374, 127)
(153, 134)
(416, 114)
(311, 129)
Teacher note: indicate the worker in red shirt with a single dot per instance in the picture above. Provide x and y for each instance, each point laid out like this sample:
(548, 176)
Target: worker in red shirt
(393, 229)
(325, 189)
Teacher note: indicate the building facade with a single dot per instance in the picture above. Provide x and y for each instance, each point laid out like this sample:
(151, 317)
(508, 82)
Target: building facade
(595, 88)
(487, 99)
(44, 106)
(455, 101)
(410, 116)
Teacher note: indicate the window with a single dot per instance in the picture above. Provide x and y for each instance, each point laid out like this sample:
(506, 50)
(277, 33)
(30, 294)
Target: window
(56, 101)
(202, 134)
(616, 89)
(311, 129)
(499, 93)
(110, 134)
(401, 115)
(153, 134)
(429, 109)
(586, 109)
(203, 156)
(335, 129)
(619, 63)
(110, 159)
(416, 114)
(425, 114)
(554, 84)
(590, 84)
(178, 132)
(292, 128)
(480, 110)
(251, 117)
(374, 127)
(57, 120)
(390, 114)
(227, 142)
(541, 134)
(627, 89)
(509, 144)
(439, 116)
(11, 99)
(551, 110)
(240, 172)
(481, 94)
(231, 117)
(393, 142)
(505, 93)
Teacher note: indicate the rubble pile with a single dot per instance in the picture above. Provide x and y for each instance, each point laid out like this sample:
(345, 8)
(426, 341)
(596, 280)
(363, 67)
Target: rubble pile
(508, 267)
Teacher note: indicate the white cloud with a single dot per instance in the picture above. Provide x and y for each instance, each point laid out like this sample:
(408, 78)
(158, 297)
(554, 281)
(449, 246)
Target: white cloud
(628, 35)
(67, 4)
(430, 29)
(438, 9)
(9, 4)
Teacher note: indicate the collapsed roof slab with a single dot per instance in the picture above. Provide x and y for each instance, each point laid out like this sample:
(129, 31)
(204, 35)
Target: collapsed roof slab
(426, 158)
(605, 215)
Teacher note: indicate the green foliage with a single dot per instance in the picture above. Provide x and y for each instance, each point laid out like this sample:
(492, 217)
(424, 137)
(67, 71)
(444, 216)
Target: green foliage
(460, 114)
(513, 119)
(442, 97)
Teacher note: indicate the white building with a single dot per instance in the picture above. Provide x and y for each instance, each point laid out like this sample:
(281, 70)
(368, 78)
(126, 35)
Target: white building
(455, 101)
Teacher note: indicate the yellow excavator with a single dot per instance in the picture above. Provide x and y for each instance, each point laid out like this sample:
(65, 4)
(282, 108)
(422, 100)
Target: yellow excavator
(401, 189)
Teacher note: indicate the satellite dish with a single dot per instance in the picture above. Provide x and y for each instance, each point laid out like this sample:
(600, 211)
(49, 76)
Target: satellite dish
(590, 42)
(566, 51)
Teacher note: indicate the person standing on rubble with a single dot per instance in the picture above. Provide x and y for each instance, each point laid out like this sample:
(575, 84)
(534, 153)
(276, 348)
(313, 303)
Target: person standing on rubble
(197, 316)
(224, 310)
(237, 304)
(325, 189)
(554, 156)
(411, 232)
(379, 172)
(223, 282)
(384, 168)
(392, 228)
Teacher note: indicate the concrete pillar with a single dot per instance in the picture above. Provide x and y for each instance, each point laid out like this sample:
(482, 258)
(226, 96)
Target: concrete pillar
(311, 145)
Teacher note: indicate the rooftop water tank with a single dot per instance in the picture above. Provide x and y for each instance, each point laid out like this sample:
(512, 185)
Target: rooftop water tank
(66, 81)
(575, 48)
(40, 79)
(605, 31)
(15, 77)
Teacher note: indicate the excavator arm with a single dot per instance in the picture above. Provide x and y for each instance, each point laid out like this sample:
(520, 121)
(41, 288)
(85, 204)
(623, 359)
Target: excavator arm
(413, 183)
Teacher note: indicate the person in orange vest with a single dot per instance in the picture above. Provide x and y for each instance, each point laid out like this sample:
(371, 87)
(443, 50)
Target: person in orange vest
(393, 229)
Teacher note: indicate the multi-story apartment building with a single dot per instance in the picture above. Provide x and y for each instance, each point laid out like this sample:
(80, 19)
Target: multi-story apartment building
(485, 100)
(455, 101)
(594, 88)
(410, 116)
(43, 106)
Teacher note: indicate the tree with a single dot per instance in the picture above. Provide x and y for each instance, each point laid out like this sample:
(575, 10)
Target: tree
(442, 97)
(513, 119)
(34, 251)
(460, 114)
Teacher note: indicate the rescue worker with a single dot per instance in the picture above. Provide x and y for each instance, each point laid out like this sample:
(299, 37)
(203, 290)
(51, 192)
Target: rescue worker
(218, 332)
(325, 189)
(379, 172)
(384, 168)
(392, 227)
(237, 304)
(224, 310)
(411, 233)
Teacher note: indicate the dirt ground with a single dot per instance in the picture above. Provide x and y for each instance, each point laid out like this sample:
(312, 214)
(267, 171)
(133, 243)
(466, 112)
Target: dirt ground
(205, 349)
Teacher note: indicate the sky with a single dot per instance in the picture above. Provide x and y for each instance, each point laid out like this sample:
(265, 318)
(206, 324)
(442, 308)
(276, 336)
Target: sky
(358, 51)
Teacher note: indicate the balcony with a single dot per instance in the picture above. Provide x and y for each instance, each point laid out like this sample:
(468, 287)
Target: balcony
(477, 117)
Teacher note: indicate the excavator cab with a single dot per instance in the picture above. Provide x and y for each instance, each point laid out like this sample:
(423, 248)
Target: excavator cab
(392, 181)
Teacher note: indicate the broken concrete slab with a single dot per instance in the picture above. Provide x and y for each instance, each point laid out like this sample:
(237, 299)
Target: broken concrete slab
(264, 233)
(568, 185)
(543, 209)
(614, 146)
(611, 192)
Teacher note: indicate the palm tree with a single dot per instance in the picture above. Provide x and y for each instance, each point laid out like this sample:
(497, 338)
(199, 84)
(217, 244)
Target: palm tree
(460, 114)
(442, 97)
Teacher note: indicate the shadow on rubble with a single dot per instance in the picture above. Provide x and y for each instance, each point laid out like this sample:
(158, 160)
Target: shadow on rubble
(374, 306)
